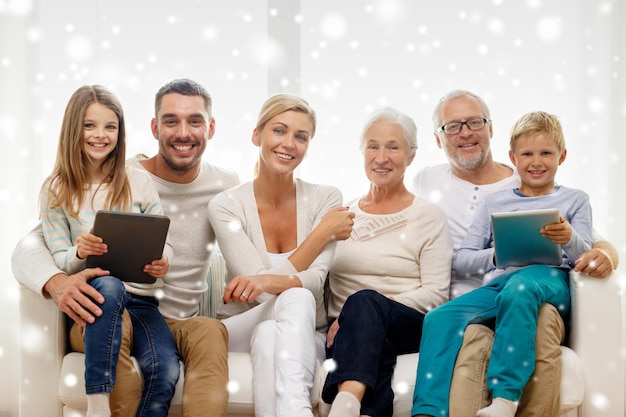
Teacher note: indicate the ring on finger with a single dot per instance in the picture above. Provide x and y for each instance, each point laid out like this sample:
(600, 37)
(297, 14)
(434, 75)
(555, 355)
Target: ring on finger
(244, 295)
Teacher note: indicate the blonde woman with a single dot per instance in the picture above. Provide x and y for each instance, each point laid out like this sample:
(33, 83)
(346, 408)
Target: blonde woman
(277, 236)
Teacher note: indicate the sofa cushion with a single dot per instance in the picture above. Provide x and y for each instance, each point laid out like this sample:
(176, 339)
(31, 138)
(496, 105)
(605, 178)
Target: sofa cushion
(403, 382)
(72, 383)
(240, 383)
(572, 379)
(240, 401)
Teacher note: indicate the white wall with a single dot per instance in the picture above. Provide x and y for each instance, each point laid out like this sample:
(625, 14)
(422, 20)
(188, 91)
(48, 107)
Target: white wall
(346, 57)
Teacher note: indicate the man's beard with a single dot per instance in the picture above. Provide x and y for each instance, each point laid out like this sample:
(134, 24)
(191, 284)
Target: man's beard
(467, 163)
(180, 167)
(185, 165)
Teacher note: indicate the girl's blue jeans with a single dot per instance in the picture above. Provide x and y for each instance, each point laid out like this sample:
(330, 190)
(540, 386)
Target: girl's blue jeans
(153, 346)
(513, 301)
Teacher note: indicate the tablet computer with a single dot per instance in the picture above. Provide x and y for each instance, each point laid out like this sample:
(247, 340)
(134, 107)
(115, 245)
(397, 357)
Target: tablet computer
(517, 240)
(133, 239)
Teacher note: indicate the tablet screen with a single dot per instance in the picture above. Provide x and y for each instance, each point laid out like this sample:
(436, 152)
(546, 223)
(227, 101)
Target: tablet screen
(133, 239)
(517, 240)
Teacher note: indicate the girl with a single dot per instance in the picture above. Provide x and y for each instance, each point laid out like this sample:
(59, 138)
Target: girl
(277, 235)
(89, 175)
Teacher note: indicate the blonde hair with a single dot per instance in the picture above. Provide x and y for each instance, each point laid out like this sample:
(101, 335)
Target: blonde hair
(538, 122)
(280, 103)
(69, 178)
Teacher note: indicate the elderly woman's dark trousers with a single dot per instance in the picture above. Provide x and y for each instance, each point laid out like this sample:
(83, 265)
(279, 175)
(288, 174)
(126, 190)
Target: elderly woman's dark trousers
(373, 331)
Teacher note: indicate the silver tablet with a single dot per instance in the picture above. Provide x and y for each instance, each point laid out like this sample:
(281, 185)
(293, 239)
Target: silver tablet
(517, 240)
(133, 239)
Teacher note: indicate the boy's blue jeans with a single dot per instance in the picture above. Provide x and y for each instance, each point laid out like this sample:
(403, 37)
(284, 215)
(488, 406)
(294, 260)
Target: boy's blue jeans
(153, 346)
(513, 301)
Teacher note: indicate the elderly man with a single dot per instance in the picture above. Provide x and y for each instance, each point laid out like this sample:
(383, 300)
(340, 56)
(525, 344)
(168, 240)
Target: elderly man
(463, 129)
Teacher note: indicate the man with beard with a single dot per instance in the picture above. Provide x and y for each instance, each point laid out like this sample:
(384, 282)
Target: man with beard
(183, 125)
(463, 129)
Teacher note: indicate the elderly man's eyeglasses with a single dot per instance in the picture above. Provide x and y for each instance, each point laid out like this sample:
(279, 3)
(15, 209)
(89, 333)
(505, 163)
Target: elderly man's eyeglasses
(455, 127)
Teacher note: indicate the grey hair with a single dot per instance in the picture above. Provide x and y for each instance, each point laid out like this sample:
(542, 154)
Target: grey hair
(437, 119)
(391, 115)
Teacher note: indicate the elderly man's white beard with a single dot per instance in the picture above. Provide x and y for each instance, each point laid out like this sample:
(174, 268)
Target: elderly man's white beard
(467, 164)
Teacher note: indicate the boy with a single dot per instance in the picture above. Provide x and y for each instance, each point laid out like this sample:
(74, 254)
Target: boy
(511, 296)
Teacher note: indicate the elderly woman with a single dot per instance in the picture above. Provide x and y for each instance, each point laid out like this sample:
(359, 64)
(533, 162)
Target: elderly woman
(383, 279)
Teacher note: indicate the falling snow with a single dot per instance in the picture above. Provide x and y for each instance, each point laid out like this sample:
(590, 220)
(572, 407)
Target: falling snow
(346, 58)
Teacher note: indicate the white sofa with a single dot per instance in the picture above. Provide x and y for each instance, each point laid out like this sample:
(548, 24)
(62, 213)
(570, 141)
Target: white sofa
(51, 380)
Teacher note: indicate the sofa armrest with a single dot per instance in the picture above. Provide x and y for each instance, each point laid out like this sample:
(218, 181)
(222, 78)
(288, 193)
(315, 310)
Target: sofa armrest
(597, 339)
(42, 347)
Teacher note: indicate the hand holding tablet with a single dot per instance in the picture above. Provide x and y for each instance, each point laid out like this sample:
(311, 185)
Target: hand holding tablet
(133, 240)
(517, 240)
